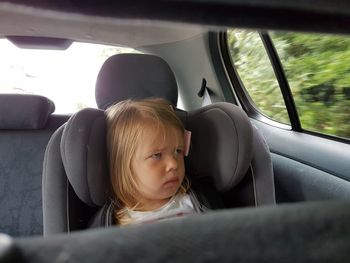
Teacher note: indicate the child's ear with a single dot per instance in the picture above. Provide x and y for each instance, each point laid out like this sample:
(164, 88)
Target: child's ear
(187, 142)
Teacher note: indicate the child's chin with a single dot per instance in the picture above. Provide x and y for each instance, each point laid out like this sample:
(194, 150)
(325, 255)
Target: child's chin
(172, 185)
(171, 190)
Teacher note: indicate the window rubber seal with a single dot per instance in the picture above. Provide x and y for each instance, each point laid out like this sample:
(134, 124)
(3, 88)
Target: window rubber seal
(282, 81)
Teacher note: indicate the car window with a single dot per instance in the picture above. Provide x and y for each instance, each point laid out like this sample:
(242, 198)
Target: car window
(316, 67)
(67, 77)
(253, 66)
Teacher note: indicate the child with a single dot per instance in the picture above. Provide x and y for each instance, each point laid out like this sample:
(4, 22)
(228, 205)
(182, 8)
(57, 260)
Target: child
(146, 145)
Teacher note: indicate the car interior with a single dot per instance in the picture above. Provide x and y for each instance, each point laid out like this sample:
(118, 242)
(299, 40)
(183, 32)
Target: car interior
(80, 147)
(285, 190)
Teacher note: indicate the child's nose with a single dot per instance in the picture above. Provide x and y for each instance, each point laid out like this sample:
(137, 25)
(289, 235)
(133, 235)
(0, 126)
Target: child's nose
(172, 162)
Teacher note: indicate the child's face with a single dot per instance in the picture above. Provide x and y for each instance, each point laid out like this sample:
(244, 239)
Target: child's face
(158, 166)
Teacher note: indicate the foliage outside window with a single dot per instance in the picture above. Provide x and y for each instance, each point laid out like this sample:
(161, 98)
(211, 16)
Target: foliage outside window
(255, 71)
(318, 71)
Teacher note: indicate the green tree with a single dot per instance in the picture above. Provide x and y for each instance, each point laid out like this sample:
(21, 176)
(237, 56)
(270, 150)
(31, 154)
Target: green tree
(318, 70)
(256, 73)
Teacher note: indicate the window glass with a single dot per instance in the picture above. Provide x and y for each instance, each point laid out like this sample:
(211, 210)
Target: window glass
(318, 70)
(67, 77)
(254, 68)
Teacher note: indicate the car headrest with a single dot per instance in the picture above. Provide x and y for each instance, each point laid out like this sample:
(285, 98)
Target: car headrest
(221, 147)
(24, 112)
(134, 76)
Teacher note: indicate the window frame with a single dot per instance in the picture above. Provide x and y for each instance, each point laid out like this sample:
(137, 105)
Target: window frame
(237, 85)
(282, 80)
(249, 106)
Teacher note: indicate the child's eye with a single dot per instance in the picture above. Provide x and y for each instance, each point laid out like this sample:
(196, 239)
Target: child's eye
(156, 156)
(178, 151)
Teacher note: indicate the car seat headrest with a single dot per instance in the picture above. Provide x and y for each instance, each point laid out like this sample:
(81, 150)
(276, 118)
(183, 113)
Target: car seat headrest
(221, 145)
(134, 76)
(24, 112)
(84, 155)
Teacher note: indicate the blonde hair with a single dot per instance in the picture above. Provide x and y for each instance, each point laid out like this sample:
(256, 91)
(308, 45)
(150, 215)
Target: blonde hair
(126, 121)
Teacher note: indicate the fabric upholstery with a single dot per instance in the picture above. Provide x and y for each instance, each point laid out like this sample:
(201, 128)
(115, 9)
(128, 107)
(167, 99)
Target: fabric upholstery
(84, 155)
(127, 76)
(24, 112)
(262, 171)
(21, 159)
(221, 148)
(303, 232)
(54, 187)
(222, 144)
(75, 176)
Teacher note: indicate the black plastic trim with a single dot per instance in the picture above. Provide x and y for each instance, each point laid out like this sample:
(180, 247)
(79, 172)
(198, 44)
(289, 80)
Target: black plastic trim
(282, 81)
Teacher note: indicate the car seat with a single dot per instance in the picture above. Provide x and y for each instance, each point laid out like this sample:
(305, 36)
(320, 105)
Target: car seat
(25, 128)
(225, 147)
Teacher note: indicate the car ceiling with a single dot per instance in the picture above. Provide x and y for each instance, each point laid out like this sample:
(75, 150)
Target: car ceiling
(143, 23)
(22, 21)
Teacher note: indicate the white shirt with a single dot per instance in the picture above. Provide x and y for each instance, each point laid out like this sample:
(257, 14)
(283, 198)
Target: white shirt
(178, 205)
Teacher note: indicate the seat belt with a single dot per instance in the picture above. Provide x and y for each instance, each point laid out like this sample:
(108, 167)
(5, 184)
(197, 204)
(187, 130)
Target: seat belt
(207, 94)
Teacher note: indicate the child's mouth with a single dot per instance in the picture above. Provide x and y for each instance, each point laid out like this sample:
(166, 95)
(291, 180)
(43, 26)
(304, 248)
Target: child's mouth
(171, 181)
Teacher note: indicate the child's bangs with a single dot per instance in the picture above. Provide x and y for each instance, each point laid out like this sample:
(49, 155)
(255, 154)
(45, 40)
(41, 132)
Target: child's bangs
(162, 130)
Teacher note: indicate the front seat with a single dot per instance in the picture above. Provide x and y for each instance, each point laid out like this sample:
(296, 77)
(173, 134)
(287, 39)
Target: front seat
(225, 147)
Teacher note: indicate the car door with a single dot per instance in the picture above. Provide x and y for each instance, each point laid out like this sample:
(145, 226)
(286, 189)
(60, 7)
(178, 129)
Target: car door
(295, 88)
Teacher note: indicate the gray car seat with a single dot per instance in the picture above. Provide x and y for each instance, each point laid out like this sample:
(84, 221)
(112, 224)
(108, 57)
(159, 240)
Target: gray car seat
(26, 125)
(225, 147)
